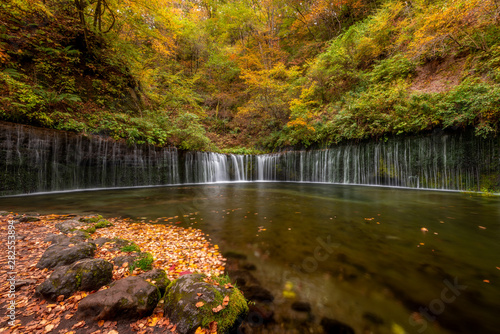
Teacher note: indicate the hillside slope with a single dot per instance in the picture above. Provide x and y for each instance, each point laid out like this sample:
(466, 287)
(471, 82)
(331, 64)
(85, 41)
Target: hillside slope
(243, 75)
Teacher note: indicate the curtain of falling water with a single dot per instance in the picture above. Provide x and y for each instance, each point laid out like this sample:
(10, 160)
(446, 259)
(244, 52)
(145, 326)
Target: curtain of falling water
(37, 160)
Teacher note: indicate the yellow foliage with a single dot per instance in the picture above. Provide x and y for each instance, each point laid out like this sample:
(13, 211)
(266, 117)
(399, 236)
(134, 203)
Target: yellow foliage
(450, 23)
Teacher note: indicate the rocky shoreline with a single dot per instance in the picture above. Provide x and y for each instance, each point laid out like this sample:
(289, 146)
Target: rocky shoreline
(70, 274)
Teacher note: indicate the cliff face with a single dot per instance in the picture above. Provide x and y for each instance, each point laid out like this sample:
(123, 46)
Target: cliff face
(37, 160)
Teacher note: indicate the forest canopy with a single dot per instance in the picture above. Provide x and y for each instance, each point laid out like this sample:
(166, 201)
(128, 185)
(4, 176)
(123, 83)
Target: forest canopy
(247, 75)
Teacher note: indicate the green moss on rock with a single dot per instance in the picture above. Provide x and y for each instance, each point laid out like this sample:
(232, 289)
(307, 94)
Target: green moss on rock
(189, 290)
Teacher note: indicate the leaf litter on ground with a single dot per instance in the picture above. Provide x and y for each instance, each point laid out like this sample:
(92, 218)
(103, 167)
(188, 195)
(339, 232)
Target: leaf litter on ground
(175, 249)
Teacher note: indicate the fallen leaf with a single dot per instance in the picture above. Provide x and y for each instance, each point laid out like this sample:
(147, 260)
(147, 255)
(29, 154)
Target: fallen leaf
(217, 309)
(200, 304)
(49, 327)
(213, 327)
(60, 298)
(153, 322)
(79, 324)
(225, 301)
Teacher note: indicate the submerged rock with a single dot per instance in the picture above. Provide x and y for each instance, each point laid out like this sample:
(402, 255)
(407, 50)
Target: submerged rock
(332, 326)
(65, 254)
(190, 303)
(85, 275)
(257, 293)
(373, 318)
(301, 307)
(128, 298)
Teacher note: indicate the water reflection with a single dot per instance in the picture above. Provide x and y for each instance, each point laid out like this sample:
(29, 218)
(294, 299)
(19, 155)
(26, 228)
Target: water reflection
(354, 253)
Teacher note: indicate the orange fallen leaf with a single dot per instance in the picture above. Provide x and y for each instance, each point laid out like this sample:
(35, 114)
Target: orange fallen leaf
(79, 324)
(225, 301)
(213, 327)
(60, 298)
(153, 322)
(486, 281)
(100, 323)
(49, 327)
(200, 304)
(217, 309)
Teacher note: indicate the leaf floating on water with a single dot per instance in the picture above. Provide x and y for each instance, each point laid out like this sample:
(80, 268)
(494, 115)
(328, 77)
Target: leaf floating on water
(482, 227)
(397, 329)
(423, 229)
(486, 281)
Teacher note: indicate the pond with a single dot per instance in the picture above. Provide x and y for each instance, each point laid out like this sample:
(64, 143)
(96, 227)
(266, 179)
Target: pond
(355, 253)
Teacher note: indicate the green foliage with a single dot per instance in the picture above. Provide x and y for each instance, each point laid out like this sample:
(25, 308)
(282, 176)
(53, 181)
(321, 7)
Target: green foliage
(389, 69)
(230, 76)
(189, 133)
(241, 150)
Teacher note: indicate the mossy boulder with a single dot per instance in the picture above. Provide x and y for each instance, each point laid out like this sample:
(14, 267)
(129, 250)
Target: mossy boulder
(120, 260)
(85, 275)
(158, 277)
(192, 300)
(117, 244)
(68, 226)
(28, 218)
(128, 298)
(65, 254)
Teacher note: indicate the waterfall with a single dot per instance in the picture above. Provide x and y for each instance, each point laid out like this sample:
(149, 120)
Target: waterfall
(203, 167)
(443, 162)
(38, 160)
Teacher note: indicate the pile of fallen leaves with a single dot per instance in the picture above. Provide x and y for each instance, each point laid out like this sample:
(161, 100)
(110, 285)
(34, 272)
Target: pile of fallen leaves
(176, 250)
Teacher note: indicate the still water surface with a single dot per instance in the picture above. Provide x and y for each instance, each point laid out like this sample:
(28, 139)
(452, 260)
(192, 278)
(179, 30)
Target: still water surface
(352, 252)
